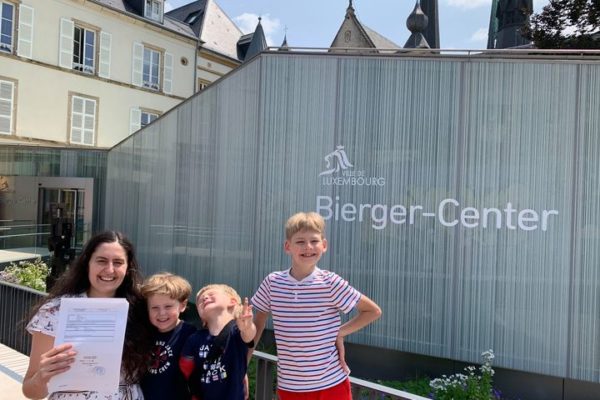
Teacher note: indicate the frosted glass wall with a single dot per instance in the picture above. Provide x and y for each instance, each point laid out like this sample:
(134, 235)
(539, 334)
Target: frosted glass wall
(461, 195)
(49, 161)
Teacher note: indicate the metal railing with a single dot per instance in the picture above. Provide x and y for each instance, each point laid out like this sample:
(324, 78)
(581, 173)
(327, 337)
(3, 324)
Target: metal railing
(522, 52)
(361, 389)
(23, 236)
(16, 302)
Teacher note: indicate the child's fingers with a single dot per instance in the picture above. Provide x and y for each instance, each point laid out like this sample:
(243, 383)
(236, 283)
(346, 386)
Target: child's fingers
(246, 306)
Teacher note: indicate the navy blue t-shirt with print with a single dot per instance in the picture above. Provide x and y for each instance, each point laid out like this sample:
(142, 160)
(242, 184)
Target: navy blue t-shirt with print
(222, 377)
(163, 379)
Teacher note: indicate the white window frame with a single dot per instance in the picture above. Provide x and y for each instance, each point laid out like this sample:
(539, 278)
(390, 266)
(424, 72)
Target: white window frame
(80, 115)
(101, 52)
(4, 47)
(202, 84)
(153, 9)
(137, 115)
(82, 65)
(8, 104)
(144, 56)
(145, 114)
(149, 79)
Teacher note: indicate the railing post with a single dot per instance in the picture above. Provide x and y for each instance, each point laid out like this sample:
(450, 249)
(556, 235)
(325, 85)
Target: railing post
(264, 379)
(355, 391)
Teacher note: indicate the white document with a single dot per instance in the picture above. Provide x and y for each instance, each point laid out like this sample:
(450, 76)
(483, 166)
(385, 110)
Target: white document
(96, 328)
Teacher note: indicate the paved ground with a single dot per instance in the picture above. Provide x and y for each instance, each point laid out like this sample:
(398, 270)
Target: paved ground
(27, 253)
(12, 369)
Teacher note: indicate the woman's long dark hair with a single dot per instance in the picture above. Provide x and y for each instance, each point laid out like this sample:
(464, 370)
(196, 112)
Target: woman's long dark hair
(137, 334)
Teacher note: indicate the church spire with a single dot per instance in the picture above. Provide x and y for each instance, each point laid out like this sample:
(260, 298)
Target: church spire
(258, 42)
(432, 32)
(350, 9)
(284, 46)
(417, 24)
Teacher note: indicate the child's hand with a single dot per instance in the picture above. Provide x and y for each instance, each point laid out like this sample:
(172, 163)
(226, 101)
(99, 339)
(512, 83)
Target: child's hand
(244, 317)
(339, 343)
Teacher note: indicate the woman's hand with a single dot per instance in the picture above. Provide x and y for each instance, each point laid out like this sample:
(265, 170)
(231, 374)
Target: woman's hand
(55, 361)
(45, 361)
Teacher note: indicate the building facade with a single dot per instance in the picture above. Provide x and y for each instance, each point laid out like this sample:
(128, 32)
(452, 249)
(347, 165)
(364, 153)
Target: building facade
(222, 46)
(88, 73)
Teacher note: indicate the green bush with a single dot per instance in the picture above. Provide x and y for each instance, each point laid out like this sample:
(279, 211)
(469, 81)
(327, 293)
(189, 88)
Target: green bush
(27, 273)
(418, 386)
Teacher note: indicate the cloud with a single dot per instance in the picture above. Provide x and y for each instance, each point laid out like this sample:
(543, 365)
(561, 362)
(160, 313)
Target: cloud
(247, 23)
(168, 6)
(480, 35)
(467, 4)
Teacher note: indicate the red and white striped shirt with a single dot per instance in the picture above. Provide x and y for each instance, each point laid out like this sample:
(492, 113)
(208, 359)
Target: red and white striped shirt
(306, 318)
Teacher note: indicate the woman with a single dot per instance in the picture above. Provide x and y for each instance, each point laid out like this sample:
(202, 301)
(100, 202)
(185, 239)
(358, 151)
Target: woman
(106, 268)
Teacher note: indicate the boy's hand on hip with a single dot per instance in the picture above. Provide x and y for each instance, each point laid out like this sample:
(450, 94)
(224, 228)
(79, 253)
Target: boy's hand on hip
(339, 344)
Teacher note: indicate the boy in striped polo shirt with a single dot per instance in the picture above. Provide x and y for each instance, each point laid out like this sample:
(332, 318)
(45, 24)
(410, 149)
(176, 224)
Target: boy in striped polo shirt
(305, 303)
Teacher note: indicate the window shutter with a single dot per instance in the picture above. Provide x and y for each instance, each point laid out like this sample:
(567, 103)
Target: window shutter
(6, 106)
(135, 119)
(83, 120)
(25, 45)
(168, 74)
(89, 122)
(65, 56)
(76, 119)
(104, 63)
(137, 64)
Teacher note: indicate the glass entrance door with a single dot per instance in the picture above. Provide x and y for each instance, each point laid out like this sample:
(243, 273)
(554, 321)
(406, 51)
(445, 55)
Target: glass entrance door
(68, 204)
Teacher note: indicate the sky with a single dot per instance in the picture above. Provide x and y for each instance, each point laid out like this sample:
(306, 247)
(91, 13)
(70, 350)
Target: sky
(314, 23)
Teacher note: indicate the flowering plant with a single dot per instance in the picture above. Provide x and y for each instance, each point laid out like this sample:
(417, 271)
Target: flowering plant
(27, 273)
(473, 385)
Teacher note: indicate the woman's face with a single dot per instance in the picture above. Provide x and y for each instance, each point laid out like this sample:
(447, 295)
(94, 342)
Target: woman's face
(107, 269)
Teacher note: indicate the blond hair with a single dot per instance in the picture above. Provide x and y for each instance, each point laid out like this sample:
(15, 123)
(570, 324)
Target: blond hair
(301, 221)
(167, 284)
(225, 288)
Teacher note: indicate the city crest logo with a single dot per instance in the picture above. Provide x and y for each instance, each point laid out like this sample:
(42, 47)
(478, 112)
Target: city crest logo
(336, 160)
(339, 171)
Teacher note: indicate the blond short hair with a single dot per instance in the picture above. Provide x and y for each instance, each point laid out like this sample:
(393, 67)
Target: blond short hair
(301, 221)
(168, 284)
(225, 288)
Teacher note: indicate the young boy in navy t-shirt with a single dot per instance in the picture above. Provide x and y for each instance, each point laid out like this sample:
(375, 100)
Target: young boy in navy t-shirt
(214, 360)
(166, 296)
(306, 302)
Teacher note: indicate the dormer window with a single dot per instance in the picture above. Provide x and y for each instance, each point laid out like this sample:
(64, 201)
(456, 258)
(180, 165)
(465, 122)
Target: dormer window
(192, 17)
(154, 10)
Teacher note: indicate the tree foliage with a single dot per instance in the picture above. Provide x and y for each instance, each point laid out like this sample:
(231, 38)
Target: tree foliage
(566, 24)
